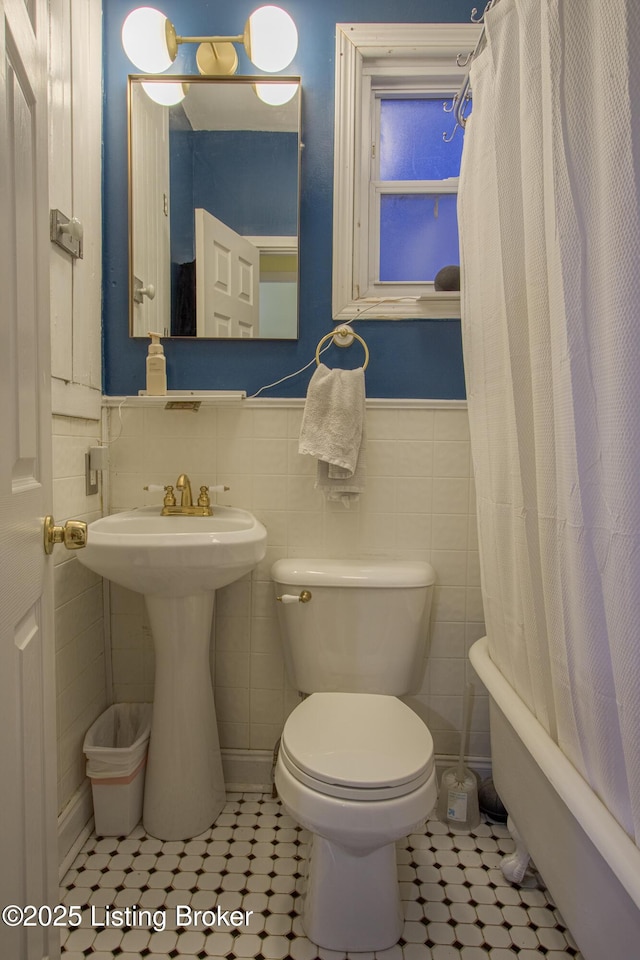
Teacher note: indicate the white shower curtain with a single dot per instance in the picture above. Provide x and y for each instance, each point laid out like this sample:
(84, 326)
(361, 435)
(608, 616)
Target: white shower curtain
(550, 237)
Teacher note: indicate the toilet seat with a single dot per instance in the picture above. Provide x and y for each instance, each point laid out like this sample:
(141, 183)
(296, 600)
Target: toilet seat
(357, 746)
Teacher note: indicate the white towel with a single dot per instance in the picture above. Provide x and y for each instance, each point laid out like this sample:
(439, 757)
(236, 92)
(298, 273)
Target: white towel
(333, 431)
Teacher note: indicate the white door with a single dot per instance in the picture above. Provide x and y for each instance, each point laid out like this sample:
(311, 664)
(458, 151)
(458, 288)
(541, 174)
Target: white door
(227, 280)
(75, 177)
(27, 677)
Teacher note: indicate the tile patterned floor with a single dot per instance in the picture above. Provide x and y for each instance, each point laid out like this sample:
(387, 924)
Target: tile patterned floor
(457, 905)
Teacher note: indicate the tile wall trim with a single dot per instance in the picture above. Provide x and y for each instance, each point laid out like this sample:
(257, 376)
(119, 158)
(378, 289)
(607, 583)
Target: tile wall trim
(375, 403)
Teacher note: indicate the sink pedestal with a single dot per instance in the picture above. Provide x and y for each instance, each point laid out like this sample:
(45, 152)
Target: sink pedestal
(178, 562)
(184, 788)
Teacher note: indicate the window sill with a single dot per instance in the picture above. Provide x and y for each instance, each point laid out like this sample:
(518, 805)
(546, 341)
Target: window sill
(429, 306)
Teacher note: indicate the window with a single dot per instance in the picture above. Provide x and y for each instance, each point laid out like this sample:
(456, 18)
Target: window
(395, 179)
(412, 192)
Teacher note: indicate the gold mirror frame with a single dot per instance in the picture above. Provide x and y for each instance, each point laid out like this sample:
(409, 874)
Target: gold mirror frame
(278, 252)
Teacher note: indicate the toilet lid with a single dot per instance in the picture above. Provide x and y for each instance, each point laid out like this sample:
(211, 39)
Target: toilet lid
(362, 742)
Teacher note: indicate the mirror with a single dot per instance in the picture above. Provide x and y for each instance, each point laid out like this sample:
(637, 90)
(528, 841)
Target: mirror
(213, 207)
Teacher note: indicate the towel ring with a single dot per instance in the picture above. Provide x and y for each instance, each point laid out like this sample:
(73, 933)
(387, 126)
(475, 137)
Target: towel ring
(348, 336)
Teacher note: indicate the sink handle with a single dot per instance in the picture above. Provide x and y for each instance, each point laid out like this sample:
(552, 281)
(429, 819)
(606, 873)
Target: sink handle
(203, 499)
(169, 496)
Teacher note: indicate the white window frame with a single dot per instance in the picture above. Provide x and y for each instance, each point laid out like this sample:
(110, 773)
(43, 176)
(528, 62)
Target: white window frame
(404, 58)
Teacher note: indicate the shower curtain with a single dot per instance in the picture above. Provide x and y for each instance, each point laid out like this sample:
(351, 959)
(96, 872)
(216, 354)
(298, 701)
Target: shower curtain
(550, 245)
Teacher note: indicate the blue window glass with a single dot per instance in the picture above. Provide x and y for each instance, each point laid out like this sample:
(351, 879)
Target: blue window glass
(418, 236)
(411, 144)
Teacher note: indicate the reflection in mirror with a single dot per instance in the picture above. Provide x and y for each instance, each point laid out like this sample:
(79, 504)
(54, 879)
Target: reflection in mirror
(213, 206)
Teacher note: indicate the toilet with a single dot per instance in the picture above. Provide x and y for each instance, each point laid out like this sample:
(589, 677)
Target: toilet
(356, 764)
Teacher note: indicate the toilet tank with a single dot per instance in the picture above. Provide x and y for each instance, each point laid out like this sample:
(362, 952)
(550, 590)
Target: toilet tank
(363, 629)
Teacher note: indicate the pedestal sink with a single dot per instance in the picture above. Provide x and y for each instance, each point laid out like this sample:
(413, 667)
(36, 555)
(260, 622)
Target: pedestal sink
(178, 562)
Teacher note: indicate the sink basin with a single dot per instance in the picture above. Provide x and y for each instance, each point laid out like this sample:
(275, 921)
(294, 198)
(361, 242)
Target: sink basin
(178, 563)
(174, 556)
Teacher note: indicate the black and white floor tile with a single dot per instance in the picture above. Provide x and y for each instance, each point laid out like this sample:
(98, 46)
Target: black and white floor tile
(248, 871)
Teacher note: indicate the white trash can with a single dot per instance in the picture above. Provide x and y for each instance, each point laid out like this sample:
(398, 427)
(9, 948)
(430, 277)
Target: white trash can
(116, 750)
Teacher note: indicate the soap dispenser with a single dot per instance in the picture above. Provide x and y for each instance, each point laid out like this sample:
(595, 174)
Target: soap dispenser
(156, 368)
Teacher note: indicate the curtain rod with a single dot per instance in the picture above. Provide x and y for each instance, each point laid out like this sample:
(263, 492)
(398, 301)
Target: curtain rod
(463, 96)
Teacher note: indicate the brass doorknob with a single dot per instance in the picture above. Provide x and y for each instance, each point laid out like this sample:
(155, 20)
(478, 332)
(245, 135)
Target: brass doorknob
(73, 534)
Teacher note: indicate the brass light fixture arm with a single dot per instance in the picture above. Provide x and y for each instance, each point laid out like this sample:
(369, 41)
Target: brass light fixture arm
(173, 40)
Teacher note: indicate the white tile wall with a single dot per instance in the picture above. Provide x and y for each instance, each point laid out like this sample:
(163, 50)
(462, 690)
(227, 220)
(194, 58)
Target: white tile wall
(419, 504)
(79, 623)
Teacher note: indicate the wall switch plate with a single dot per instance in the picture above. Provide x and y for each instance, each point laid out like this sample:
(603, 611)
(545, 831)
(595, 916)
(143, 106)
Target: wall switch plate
(91, 476)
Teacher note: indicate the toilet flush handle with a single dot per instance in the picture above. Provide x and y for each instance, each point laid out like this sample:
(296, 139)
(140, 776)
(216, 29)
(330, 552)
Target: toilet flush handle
(302, 597)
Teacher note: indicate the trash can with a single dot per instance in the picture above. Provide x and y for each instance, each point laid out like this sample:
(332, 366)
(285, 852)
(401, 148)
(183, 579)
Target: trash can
(116, 750)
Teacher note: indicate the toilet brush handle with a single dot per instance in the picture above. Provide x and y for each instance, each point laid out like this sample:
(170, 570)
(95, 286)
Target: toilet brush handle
(466, 714)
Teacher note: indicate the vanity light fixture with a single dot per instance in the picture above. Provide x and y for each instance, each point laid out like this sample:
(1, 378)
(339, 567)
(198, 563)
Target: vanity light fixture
(270, 39)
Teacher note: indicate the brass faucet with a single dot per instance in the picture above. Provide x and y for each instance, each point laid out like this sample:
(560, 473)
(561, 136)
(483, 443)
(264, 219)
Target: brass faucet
(184, 484)
(186, 507)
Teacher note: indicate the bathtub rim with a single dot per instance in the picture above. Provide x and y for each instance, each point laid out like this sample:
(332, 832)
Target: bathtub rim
(614, 845)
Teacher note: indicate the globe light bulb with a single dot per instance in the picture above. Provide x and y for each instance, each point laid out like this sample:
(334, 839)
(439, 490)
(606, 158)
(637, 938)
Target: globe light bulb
(271, 39)
(144, 38)
(276, 94)
(166, 94)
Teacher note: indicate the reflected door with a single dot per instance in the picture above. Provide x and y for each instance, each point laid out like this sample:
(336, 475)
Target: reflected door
(227, 280)
(151, 254)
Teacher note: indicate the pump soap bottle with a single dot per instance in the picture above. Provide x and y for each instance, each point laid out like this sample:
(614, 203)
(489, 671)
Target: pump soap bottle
(156, 368)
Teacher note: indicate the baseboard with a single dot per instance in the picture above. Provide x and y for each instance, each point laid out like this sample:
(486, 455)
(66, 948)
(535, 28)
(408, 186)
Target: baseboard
(247, 771)
(481, 766)
(74, 826)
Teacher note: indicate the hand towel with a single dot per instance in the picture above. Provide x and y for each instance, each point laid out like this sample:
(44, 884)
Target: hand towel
(332, 431)
(343, 489)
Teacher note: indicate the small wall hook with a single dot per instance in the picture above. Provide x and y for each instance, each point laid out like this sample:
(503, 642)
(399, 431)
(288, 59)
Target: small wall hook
(140, 291)
(66, 232)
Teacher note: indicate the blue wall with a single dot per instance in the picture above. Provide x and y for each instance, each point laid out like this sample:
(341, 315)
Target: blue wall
(212, 164)
(417, 358)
